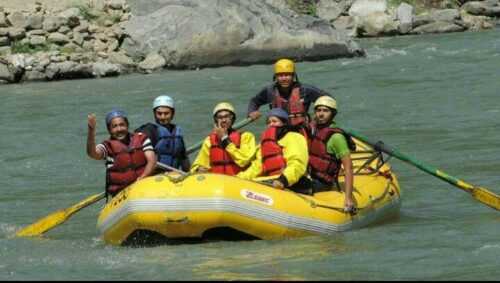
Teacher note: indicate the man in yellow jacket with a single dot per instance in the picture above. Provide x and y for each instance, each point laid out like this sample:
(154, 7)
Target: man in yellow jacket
(225, 150)
(282, 153)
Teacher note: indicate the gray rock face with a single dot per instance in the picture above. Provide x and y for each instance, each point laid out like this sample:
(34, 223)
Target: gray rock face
(405, 14)
(5, 74)
(486, 8)
(362, 8)
(330, 10)
(437, 27)
(193, 33)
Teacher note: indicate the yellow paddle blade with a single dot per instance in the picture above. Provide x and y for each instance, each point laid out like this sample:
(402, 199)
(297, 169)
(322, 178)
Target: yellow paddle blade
(489, 198)
(52, 220)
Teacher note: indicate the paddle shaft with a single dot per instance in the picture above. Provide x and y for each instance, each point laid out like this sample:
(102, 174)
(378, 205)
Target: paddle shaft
(480, 194)
(167, 167)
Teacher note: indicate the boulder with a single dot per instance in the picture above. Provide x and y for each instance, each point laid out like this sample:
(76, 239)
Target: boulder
(445, 15)
(52, 23)
(5, 74)
(362, 8)
(68, 70)
(38, 40)
(17, 19)
(34, 22)
(58, 38)
(16, 33)
(483, 8)
(347, 24)
(116, 4)
(121, 58)
(330, 10)
(71, 17)
(438, 27)
(3, 20)
(476, 23)
(194, 33)
(105, 69)
(153, 61)
(4, 41)
(377, 23)
(405, 14)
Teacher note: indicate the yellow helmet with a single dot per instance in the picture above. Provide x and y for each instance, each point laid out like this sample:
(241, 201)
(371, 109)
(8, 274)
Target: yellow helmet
(284, 66)
(326, 101)
(224, 106)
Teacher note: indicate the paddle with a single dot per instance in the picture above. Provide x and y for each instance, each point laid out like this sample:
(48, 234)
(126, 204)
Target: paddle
(167, 167)
(52, 220)
(481, 194)
(56, 218)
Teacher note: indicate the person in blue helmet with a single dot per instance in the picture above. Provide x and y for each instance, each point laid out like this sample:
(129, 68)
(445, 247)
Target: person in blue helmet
(166, 137)
(128, 157)
(282, 154)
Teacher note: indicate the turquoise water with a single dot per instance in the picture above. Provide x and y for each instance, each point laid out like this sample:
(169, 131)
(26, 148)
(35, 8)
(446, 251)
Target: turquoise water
(434, 97)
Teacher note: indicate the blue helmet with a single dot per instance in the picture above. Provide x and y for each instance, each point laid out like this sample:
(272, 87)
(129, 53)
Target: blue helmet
(280, 113)
(115, 113)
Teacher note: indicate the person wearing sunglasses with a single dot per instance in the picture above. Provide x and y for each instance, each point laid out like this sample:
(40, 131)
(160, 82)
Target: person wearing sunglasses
(225, 150)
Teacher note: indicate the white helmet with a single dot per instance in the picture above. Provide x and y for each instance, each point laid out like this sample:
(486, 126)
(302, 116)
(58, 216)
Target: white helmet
(163, 100)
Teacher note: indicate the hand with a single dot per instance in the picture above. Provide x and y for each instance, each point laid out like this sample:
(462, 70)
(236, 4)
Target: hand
(278, 185)
(202, 169)
(91, 121)
(254, 115)
(220, 132)
(349, 205)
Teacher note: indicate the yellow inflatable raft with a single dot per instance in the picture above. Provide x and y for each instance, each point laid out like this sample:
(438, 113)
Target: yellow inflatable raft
(203, 206)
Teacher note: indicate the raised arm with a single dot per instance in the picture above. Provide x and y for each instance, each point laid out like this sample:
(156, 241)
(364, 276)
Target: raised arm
(93, 151)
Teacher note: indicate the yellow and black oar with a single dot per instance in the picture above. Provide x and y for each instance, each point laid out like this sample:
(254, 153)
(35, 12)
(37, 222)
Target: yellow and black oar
(52, 220)
(481, 194)
(56, 218)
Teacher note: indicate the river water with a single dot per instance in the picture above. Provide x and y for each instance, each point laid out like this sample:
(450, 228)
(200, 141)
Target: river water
(433, 97)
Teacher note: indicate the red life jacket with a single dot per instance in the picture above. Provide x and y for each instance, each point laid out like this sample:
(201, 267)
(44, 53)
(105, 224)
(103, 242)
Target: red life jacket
(323, 165)
(273, 161)
(129, 162)
(294, 105)
(220, 160)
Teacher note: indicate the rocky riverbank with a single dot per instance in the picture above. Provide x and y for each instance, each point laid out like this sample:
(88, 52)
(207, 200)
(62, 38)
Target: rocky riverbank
(46, 40)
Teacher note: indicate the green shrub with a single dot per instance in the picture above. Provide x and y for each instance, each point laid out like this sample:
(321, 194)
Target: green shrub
(20, 47)
(87, 13)
(303, 6)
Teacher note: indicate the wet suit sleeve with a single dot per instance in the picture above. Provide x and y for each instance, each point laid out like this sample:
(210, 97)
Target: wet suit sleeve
(296, 156)
(243, 155)
(258, 100)
(203, 158)
(254, 169)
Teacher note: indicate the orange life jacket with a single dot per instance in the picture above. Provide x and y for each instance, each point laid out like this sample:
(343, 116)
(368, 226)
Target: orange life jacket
(273, 161)
(129, 162)
(220, 160)
(324, 166)
(294, 106)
